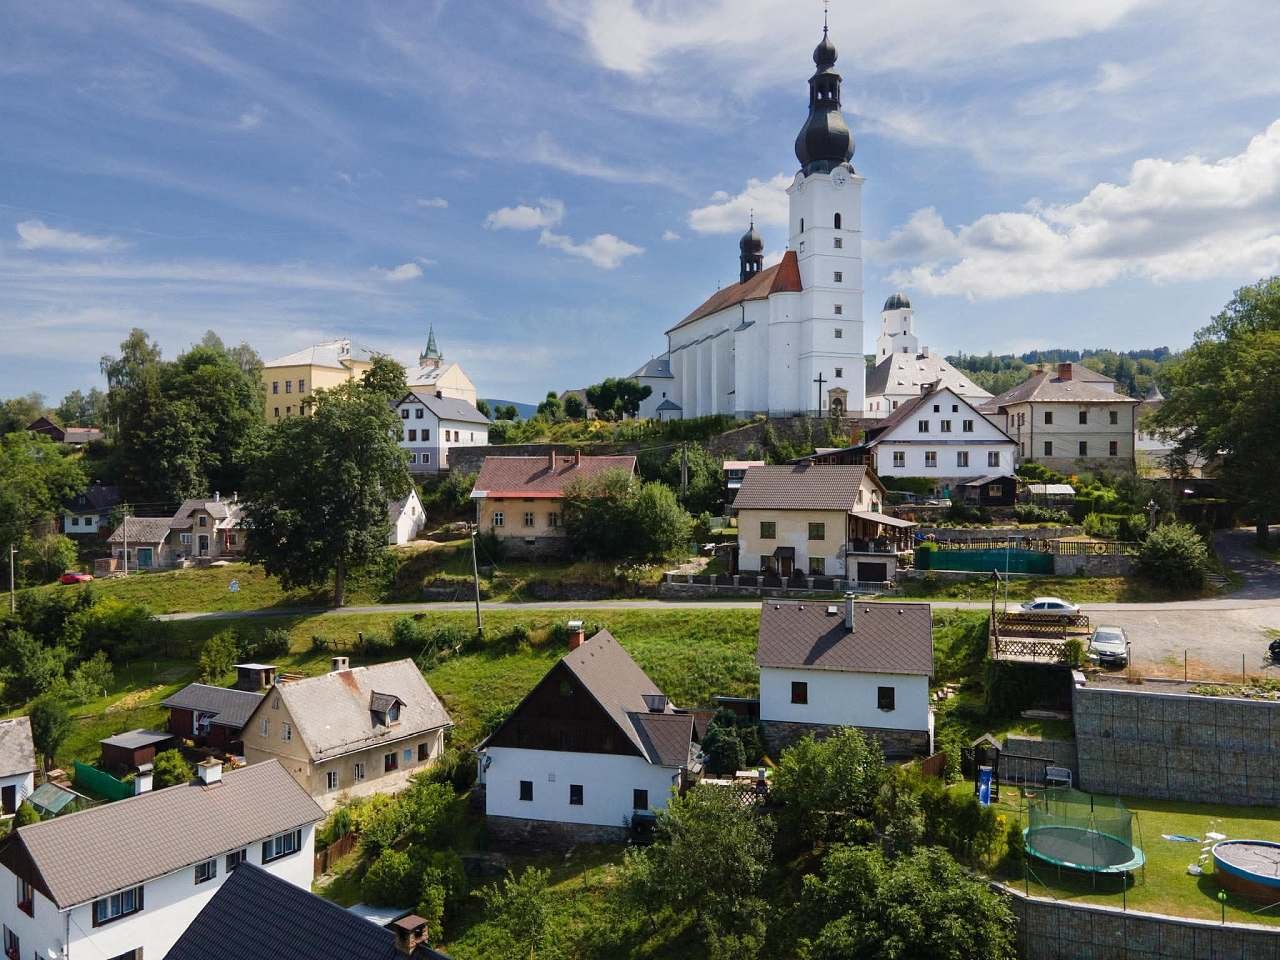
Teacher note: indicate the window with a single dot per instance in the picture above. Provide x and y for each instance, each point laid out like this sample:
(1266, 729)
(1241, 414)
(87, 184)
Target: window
(12, 948)
(838, 309)
(275, 412)
(1115, 417)
(206, 871)
(900, 458)
(995, 490)
(799, 691)
(966, 426)
(884, 698)
(575, 794)
(185, 538)
(993, 458)
(202, 520)
(390, 762)
(114, 907)
(955, 408)
(922, 426)
(526, 790)
(288, 386)
(946, 426)
(498, 519)
(393, 713)
(331, 780)
(931, 458)
(426, 457)
(1048, 448)
(837, 221)
(639, 799)
(404, 413)
(937, 408)
(817, 531)
(26, 898)
(1113, 448)
(281, 846)
(962, 458)
(275, 386)
(768, 530)
(838, 277)
(302, 386)
(1084, 448)
(286, 730)
(528, 518)
(1084, 416)
(839, 373)
(424, 751)
(413, 435)
(802, 224)
(264, 726)
(553, 519)
(417, 413)
(75, 521)
(357, 771)
(1048, 416)
(838, 242)
(231, 540)
(817, 567)
(236, 857)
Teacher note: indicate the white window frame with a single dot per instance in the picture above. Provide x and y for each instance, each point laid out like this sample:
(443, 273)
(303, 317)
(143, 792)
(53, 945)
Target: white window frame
(286, 731)
(900, 459)
(931, 459)
(499, 519)
(357, 771)
(331, 779)
(206, 871)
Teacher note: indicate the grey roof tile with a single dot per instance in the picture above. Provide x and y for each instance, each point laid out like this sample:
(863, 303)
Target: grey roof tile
(144, 530)
(231, 708)
(887, 637)
(17, 752)
(447, 408)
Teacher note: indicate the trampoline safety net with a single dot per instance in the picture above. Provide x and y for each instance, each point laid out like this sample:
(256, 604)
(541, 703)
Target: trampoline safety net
(1074, 829)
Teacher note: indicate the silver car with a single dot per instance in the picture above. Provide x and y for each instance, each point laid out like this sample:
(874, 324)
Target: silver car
(1109, 647)
(1050, 607)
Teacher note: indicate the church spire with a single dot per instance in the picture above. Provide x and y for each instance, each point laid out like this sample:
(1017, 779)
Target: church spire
(824, 142)
(750, 252)
(432, 353)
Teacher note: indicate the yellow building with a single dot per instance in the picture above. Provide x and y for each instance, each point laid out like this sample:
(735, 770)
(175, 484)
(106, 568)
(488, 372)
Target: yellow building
(289, 381)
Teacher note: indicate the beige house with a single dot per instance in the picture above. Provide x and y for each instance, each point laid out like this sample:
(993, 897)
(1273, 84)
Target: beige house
(520, 500)
(818, 520)
(1069, 420)
(203, 530)
(289, 381)
(350, 732)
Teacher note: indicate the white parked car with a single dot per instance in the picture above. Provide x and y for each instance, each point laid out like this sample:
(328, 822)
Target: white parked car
(1109, 646)
(1050, 607)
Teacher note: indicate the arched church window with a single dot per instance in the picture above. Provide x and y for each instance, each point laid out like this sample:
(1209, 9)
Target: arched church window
(837, 221)
(802, 224)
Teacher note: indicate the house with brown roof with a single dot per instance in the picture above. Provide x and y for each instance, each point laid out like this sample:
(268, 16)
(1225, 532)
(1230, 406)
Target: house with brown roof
(520, 500)
(71, 436)
(1069, 418)
(350, 732)
(826, 665)
(589, 753)
(817, 520)
(125, 879)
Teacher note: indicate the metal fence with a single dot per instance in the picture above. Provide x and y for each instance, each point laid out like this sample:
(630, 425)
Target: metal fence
(101, 783)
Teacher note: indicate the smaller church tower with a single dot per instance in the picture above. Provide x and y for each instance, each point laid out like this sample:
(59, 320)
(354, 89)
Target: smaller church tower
(431, 358)
(750, 253)
(897, 328)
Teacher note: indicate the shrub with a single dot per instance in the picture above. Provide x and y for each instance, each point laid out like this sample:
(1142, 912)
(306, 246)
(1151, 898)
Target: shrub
(1034, 513)
(274, 642)
(958, 822)
(443, 891)
(454, 767)
(490, 548)
(1073, 652)
(373, 642)
(92, 678)
(1174, 555)
(218, 655)
(171, 769)
(42, 559)
(1016, 845)
(408, 634)
(723, 749)
(319, 643)
(1115, 526)
(26, 814)
(390, 880)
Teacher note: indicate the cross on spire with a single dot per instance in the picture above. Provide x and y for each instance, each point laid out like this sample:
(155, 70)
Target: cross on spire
(826, 6)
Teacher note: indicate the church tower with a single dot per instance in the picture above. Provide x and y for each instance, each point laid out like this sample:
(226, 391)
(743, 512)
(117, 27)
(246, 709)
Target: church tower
(822, 339)
(430, 358)
(897, 328)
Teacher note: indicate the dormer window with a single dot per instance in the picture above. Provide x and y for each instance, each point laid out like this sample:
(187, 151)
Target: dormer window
(385, 709)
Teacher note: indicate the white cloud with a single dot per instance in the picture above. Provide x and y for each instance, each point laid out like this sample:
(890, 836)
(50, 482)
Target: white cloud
(525, 217)
(670, 236)
(252, 118)
(433, 203)
(406, 271)
(38, 235)
(546, 151)
(604, 250)
(1172, 220)
(726, 214)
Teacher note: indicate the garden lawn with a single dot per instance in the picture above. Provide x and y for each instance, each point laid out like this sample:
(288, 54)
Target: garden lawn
(1167, 888)
(1080, 590)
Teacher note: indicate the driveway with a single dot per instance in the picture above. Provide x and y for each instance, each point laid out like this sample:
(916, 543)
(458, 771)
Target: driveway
(1261, 574)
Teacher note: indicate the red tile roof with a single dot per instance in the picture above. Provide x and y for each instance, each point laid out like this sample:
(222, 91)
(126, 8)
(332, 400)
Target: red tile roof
(782, 277)
(535, 477)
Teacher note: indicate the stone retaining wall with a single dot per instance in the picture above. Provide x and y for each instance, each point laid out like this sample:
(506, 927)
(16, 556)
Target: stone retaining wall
(1058, 930)
(780, 734)
(1171, 746)
(1062, 753)
(518, 833)
(1093, 565)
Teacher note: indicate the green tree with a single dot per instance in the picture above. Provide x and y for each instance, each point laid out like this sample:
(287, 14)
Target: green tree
(317, 492)
(218, 655)
(616, 397)
(1174, 555)
(170, 769)
(246, 358)
(574, 408)
(483, 406)
(705, 489)
(390, 880)
(551, 408)
(1222, 400)
(865, 907)
(825, 787)
(598, 513)
(50, 725)
(507, 412)
(17, 412)
(662, 527)
(723, 748)
(386, 378)
(83, 409)
(36, 476)
(43, 559)
(521, 906)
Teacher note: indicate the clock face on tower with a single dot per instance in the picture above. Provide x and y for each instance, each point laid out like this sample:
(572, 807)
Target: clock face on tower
(840, 176)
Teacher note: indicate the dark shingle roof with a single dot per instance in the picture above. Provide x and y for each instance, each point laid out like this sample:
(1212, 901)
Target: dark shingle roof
(666, 736)
(534, 476)
(801, 486)
(81, 856)
(99, 498)
(256, 914)
(782, 277)
(447, 408)
(886, 638)
(231, 708)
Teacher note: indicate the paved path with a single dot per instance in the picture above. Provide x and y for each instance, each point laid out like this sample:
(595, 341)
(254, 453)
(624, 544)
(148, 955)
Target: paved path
(1261, 574)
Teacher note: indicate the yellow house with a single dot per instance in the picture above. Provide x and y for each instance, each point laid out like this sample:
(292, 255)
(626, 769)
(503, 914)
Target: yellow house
(289, 381)
(350, 733)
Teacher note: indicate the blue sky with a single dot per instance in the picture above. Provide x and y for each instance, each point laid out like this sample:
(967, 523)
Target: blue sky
(553, 184)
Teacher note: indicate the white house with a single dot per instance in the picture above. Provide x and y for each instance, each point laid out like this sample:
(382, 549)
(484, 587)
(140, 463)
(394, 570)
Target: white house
(125, 879)
(940, 435)
(17, 763)
(592, 747)
(407, 518)
(432, 424)
(89, 512)
(786, 338)
(826, 665)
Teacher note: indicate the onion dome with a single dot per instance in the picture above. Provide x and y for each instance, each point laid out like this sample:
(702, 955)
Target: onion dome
(750, 253)
(824, 54)
(751, 241)
(824, 142)
(897, 301)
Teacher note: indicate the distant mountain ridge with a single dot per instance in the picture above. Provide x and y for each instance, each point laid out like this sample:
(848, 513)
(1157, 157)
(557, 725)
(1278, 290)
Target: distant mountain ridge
(526, 410)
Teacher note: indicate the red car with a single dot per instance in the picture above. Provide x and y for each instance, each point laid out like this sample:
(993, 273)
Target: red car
(75, 576)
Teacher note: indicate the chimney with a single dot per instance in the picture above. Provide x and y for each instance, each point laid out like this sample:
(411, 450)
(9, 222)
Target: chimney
(577, 458)
(209, 771)
(338, 664)
(655, 702)
(924, 351)
(1064, 371)
(551, 460)
(142, 782)
(925, 388)
(577, 635)
(439, 394)
(217, 497)
(848, 611)
(411, 932)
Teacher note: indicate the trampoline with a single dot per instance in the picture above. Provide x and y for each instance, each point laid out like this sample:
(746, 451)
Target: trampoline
(1067, 828)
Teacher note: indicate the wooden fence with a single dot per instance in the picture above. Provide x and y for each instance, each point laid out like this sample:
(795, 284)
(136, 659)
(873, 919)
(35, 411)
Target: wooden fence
(1023, 648)
(934, 766)
(333, 853)
(1061, 548)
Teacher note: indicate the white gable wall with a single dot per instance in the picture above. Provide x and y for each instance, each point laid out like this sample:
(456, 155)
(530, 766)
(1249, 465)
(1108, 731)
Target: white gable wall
(845, 698)
(914, 444)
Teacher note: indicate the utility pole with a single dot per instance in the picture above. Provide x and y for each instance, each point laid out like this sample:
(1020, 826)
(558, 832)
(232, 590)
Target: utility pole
(124, 526)
(13, 600)
(475, 575)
